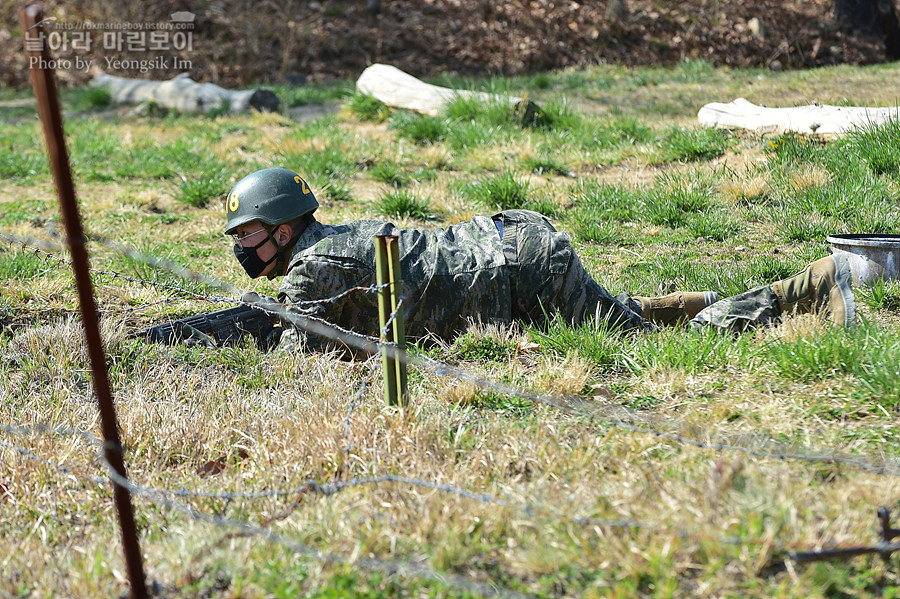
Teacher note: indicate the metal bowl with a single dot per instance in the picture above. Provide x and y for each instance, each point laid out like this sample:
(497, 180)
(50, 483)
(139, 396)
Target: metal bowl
(871, 255)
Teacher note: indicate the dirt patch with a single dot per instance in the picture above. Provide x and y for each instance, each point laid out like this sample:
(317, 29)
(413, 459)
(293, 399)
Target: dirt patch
(237, 43)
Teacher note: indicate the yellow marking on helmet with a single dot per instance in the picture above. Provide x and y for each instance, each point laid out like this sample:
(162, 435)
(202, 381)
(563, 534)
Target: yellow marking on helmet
(304, 188)
(234, 201)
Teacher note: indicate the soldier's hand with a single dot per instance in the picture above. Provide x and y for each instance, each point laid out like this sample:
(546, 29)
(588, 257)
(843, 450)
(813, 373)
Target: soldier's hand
(251, 297)
(266, 339)
(192, 336)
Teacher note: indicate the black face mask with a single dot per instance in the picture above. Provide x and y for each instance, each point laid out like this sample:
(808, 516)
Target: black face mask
(251, 262)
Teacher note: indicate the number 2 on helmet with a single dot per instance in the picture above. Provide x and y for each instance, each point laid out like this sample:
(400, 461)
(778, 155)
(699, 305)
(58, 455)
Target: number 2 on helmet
(299, 179)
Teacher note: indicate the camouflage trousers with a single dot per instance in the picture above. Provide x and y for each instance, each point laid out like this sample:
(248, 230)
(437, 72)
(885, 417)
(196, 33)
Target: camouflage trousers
(548, 278)
(756, 307)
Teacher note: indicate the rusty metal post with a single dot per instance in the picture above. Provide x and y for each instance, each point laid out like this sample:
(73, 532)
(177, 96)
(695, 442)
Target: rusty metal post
(884, 520)
(44, 83)
(886, 532)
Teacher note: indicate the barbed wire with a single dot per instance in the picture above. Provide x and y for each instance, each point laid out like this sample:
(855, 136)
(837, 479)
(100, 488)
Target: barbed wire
(343, 294)
(398, 567)
(444, 369)
(320, 327)
(129, 310)
(34, 244)
(389, 567)
(386, 329)
(27, 453)
(243, 528)
(42, 429)
(330, 489)
(323, 328)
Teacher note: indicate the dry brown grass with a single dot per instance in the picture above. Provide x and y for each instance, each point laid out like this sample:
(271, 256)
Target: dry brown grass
(235, 420)
(180, 411)
(745, 189)
(810, 177)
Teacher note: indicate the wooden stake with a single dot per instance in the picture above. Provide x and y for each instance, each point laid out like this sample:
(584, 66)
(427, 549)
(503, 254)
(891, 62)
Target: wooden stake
(44, 83)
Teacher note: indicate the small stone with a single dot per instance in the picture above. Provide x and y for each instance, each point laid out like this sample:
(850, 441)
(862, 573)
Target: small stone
(756, 28)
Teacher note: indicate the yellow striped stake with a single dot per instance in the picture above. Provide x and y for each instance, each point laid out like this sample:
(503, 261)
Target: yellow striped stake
(388, 277)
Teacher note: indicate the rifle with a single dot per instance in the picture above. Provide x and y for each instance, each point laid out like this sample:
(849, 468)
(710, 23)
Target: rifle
(222, 327)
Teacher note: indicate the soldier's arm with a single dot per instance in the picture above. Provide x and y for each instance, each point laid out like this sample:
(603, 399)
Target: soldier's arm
(334, 290)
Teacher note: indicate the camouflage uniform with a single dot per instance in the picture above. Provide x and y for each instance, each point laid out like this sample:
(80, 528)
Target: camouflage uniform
(451, 277)
(758, 306)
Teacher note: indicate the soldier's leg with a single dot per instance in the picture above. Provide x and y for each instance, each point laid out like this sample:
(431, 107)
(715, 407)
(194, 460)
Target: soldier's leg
(548, 278)
(581, 298)
(675, 308)
(823, 287)
(734, 314)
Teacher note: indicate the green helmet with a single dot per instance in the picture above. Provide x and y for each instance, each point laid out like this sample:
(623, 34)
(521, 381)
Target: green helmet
(271, 195)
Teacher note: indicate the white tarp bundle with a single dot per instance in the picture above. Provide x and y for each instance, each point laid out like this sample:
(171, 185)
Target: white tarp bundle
(819, 119)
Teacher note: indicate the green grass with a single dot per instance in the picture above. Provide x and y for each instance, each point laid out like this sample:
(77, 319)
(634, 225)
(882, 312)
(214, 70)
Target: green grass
(463, 109)
(419, 128)
(689, 352)
(652, 202)
(391, 173)
(320, 166)
(98, 97)
(482, 349)
(368, 108)
(404, 203)
(337, 191)
(877, 145)
(672, 202)
(870, 353)
(881, 295)
(592, 341)
(680, 144)
(792, 148)
(502, 192)
(715, 225)
(546, 165)
(606, 134)
(809, 228)
(561, 116)
(25, 210)
(607, 202)
(199, 190)
(21, 265)
(314, 94)
(21, 153)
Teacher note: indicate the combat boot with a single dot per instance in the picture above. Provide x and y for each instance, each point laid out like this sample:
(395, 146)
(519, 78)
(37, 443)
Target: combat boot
(823, 287)
(675, 308)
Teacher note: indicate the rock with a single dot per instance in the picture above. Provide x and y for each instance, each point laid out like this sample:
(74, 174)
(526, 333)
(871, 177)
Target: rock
(756, 28)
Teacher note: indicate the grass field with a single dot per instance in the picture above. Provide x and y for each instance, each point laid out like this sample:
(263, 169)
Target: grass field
(626, 492)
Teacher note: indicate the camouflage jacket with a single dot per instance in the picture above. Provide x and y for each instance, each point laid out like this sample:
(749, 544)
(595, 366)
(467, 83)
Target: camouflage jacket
(450, 276)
